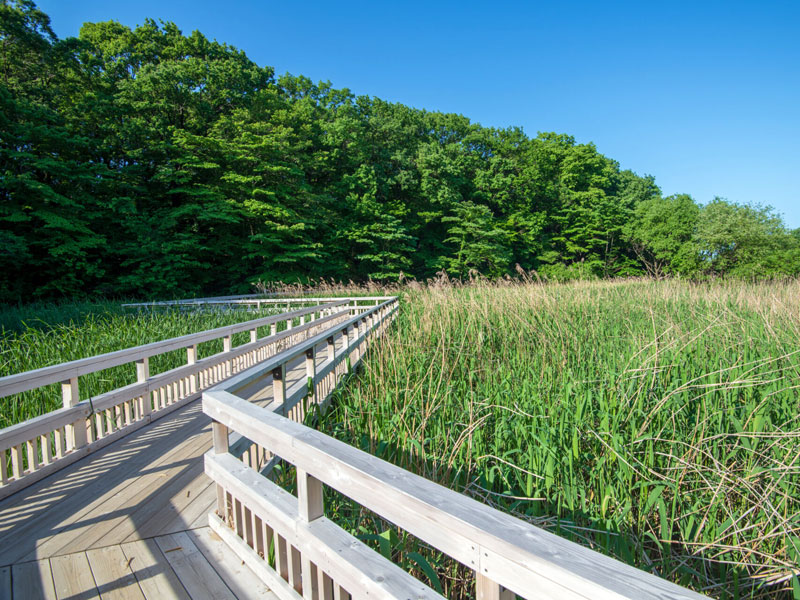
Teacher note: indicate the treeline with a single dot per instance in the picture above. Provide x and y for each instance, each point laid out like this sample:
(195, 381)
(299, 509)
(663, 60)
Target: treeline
(148, 163)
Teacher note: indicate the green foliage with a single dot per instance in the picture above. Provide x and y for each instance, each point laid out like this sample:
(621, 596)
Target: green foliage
(742, 240)
(146, 159)
(662, 234)
(480, 244)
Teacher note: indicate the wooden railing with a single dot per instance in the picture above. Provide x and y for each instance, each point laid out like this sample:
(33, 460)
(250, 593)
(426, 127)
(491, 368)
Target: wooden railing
(35, 448)
(298, 552)
(253, 301)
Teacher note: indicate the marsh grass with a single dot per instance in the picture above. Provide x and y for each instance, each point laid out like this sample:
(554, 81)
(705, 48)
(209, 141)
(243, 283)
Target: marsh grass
(656, 422)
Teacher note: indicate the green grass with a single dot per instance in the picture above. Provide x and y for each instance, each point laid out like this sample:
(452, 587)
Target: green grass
(42, 335)
(653, 421)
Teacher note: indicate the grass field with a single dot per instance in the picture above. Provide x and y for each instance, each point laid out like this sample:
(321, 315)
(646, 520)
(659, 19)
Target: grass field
(654, 421)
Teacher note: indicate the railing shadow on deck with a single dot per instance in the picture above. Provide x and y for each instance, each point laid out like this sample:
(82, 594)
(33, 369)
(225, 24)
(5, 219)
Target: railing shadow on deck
(39, 513)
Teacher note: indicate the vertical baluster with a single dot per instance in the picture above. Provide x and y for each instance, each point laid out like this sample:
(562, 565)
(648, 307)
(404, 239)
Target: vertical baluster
(60, 442)
(33, 455)
(118, 416)
(16, 461)
(47, 450)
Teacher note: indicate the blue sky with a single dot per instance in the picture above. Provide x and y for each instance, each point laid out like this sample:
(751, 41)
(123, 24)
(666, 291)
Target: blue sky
(703, 95)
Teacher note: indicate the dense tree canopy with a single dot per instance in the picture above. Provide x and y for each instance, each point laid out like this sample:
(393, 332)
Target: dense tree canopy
(150, 163)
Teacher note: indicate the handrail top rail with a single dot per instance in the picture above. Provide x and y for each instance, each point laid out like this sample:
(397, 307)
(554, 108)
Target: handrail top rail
(251, 299)
(28, 380)
(512, 552)
(220, 298)
(241, 379)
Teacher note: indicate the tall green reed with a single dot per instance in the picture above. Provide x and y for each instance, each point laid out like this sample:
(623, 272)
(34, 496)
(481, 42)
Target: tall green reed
(654, 421)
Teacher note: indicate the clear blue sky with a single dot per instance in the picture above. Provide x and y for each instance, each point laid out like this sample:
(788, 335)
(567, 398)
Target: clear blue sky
(704, 95)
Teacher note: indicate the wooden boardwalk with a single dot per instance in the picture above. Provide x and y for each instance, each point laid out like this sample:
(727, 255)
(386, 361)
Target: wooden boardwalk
(138, 508)
(129, 521)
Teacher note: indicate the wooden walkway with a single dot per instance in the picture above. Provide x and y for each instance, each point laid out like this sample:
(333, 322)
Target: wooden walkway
(129, 521)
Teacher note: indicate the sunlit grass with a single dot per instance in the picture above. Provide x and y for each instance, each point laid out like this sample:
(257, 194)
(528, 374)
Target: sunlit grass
(654, 421)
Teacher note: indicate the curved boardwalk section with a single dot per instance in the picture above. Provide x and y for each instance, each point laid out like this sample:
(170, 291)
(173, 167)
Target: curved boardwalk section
(130, 519)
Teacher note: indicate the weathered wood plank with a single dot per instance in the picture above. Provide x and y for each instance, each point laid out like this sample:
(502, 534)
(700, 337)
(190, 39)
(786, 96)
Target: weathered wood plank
(33, 580)
(119, 518)
(237, 575)
(113, 575)
(196, 574)
(5, 583)
(72, 577)
(156, 578)
(30, 519)
(158, 510)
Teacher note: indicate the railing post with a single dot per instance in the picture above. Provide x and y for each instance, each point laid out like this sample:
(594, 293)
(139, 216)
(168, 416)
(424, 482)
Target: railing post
(279, 387)
(486, 589)
(357, 347)
(76, 432)
(273, 329)
(311, 371)
(142, 375)
(253, 336)
(227, 346)
(347, 348)
(311, 507)
(219, 434)
(191, 358)
(142, 369)
(331, 348)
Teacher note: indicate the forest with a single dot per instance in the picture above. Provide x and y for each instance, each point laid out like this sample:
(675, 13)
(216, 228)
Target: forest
(148, 163)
